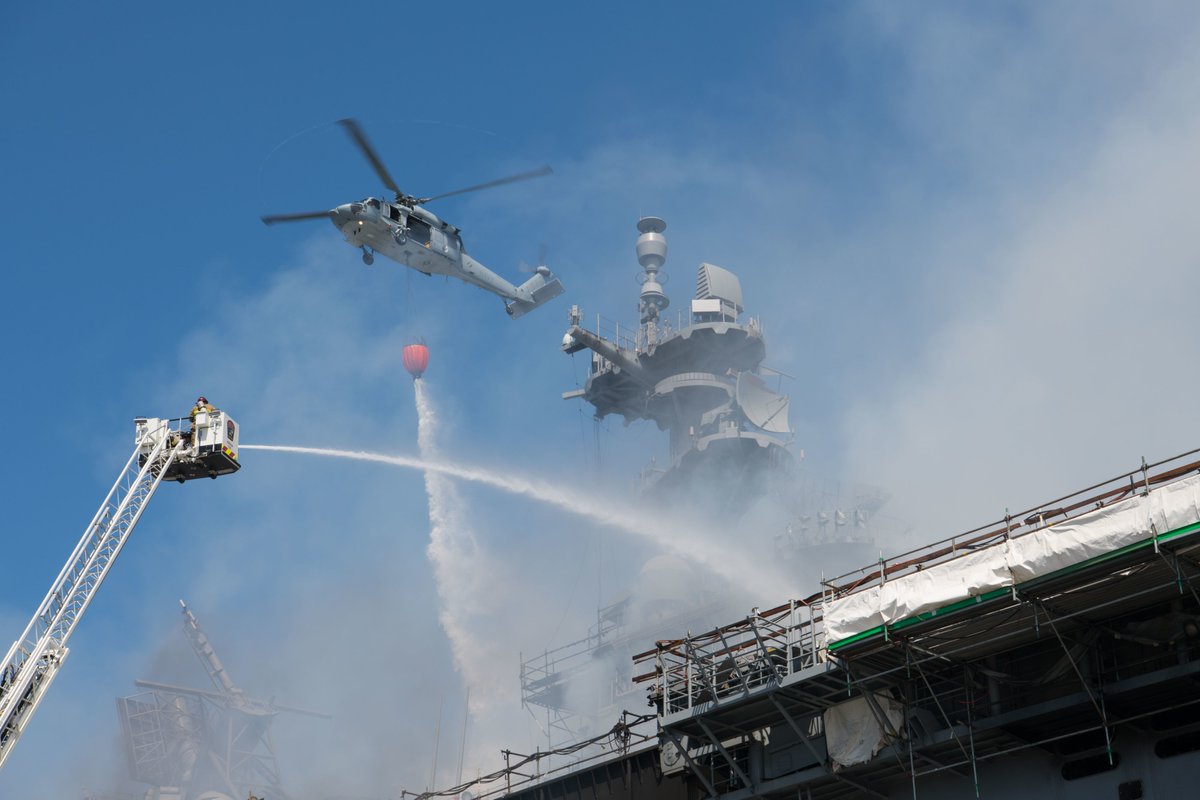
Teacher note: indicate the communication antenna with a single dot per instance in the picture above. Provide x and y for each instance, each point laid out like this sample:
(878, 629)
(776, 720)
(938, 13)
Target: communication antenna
(437, 743)
(652, 254)
(462, 745)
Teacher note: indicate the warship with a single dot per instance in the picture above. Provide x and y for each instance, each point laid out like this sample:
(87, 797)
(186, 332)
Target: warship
(1052, 653)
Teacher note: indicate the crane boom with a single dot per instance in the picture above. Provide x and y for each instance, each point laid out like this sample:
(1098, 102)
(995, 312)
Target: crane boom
(162, 450)
(207, 655)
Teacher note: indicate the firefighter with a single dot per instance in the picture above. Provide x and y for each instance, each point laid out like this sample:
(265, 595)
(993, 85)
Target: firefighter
(202, 404)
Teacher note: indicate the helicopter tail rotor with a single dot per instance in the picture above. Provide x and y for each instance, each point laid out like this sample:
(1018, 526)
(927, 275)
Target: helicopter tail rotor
(524, 266)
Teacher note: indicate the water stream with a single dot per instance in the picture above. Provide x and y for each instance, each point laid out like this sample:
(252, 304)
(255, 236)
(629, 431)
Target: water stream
(689, 542)
(464, 574)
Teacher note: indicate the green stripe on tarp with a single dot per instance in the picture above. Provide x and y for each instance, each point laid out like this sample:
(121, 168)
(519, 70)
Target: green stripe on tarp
(959, 605)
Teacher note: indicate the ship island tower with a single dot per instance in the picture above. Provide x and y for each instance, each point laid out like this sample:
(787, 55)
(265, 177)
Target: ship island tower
(700, 379)
(698, 374)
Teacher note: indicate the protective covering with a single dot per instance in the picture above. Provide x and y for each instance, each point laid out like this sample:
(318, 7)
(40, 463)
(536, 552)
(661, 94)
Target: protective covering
(1015, 561)
(853, 732)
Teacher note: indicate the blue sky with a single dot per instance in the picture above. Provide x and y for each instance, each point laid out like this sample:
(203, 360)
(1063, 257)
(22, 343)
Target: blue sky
(969, 233)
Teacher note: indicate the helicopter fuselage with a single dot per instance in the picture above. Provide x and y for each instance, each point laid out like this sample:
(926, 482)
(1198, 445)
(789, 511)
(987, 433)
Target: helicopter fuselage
(417, 238)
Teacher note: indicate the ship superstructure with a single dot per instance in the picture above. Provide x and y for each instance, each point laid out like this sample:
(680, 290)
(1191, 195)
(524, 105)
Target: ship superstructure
(702, 379)
(699, 375)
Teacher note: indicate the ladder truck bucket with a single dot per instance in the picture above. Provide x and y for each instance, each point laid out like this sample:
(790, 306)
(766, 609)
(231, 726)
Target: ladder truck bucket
(210, 444)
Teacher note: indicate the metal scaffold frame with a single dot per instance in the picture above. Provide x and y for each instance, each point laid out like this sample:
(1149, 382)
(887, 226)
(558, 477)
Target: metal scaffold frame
(166, 727)
(544, 679)
(577, 698)
(522, 771)
(199, 742)
(1066, 663)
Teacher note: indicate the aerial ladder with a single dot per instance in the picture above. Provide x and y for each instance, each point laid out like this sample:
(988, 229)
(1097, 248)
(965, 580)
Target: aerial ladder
(165, 449)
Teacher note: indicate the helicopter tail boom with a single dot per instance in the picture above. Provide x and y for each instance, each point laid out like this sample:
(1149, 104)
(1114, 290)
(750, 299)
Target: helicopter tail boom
(542, 287)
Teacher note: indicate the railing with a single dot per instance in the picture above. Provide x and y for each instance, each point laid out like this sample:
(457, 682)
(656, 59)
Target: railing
(625, 336)
(766, 647)
(546, 679)
(1039, 517)
(540, 675)
(635, 338)
(629, 733)
(763, 649)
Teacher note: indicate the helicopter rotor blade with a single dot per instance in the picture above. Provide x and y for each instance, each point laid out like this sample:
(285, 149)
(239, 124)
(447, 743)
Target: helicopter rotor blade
(525, 266)
(304, 215)
(524, 176)
(356, 133)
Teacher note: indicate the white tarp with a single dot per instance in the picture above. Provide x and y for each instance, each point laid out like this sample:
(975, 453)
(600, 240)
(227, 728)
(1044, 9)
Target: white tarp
(853, 733)
(1015, 561)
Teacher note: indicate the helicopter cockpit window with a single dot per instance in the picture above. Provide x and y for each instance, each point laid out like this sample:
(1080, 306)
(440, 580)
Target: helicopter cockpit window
(373, 203)
(418, 230)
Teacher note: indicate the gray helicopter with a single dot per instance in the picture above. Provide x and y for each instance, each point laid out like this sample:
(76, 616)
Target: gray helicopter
(406, 232)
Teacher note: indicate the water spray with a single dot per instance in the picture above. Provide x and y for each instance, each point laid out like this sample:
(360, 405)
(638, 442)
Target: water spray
(686, 542)
(460, 566)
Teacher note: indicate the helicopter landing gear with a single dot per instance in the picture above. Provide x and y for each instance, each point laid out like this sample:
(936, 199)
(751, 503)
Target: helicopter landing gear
(368, 257)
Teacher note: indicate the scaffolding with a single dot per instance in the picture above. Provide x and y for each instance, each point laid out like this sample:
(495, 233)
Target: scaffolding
(1076, 662)
(189, 742)
(177, 736)
(1086, 675)
(575, 690)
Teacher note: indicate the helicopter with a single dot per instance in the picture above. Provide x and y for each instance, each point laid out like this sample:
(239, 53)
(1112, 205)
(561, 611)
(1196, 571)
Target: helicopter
(405, 231)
